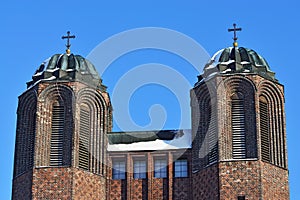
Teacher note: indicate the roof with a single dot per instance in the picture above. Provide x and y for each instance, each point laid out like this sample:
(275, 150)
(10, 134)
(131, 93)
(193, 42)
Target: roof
(67, 67)
(233, 60)
(149, 140)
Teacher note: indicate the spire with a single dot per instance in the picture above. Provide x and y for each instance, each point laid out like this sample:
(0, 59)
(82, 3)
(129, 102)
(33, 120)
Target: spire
(68, 45)
(234, 29)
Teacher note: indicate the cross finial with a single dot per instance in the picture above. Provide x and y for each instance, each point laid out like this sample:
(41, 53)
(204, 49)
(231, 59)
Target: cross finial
(234, 29)
(68, 37)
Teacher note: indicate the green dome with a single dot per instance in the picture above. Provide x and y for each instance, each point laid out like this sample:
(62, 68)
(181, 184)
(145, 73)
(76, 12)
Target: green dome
(66, 67)
(237, 60)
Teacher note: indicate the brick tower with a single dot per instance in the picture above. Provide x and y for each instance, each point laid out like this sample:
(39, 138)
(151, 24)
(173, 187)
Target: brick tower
(238, 124)
(236, 149)
(62, 121)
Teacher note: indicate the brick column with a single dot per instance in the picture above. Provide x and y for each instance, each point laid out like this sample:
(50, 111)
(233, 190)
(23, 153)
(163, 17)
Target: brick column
(170, 174)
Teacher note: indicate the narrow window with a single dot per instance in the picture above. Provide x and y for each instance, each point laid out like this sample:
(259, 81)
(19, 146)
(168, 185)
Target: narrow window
(56, 150)
(180, 168)
(118, 170)
(264, 131)
(238, 127)
(160, 168)
(212, 136)
(241, 197)
(139, 169)
(84, 140)
(30, 145)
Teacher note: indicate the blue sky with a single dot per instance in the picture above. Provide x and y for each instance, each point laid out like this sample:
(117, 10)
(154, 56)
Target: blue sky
(31, 32)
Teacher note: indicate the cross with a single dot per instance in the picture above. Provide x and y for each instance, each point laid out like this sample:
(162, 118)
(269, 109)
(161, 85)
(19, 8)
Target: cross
(234, 29)
(68, 45)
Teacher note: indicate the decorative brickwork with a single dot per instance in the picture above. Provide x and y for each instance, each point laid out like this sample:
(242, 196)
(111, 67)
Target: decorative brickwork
(205, 183)
(47, 96)
(25, 134)
(52, 183)
(159, 188)
(67, 183)
(274, 182)
(231, 177)
(182, 189)
(139, 189)
(35, 127)
(150, 187)
(118, 190)
(238, 138)
(227, 87)
(240, 178)
(98, 114)
(87, 185)
(274, 99)
(204, 125)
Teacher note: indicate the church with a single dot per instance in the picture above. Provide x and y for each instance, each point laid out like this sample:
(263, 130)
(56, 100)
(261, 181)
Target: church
(236, 148)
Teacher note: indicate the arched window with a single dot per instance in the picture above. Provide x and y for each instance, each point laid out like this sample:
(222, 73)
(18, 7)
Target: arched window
(92, 127)
(212, 134)
(25, 137)
(57, 134)
(272, 131)
(264, 129)
(84, 138)
(238, 126)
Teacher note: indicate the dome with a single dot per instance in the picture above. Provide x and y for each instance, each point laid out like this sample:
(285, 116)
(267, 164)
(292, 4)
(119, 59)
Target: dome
(66, 67)
(237, 60)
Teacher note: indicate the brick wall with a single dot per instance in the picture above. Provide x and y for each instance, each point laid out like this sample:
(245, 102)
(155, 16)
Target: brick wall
(206, 183)
(118, 189)
(22, 186)
(182, 189)
(151, 188)
(240, 178)
(160, 188)
(274, 182)
(87, 185)
(228, 86)
(139, 189)
(65, 181)
(52, 183)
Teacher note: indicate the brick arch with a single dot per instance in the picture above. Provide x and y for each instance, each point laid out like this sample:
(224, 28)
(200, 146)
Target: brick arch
(205, 144)
(62, 95)
(274, 101)
(25, 136)
(244, 90)
(57, 92)
(271, 92)
(92, 105)
(231, 80)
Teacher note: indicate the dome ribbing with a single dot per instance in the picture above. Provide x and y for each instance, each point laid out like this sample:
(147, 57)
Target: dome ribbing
(237, 60)
(66, 67)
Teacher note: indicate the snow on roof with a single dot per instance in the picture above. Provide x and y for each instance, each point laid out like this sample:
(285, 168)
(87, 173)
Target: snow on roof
(182, 140)
(225, 71)
(52, 70)
(38, 74)
(245, 62)
(227, 62)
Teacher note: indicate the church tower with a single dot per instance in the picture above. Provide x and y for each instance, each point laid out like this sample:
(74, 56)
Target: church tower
(62, 121)
(238, 126)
